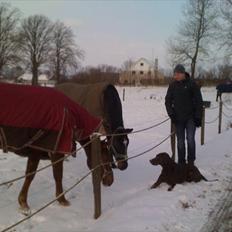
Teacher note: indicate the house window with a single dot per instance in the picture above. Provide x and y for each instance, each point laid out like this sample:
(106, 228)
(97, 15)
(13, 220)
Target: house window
(141, 72)
(133, 72)
(141, 64)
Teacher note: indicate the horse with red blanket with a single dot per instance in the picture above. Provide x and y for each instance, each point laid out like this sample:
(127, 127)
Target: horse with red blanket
(41, 123)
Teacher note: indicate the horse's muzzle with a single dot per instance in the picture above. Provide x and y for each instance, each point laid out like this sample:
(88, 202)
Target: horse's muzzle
(122, 164)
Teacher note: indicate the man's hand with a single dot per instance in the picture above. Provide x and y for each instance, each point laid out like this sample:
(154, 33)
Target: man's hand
(197, 122)
(173, 118)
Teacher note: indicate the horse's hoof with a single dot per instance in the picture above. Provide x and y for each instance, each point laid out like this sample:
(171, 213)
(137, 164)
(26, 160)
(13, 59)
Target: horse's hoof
(64, 203)
(25, 210)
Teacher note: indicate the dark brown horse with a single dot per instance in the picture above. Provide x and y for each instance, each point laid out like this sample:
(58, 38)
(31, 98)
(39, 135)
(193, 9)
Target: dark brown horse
(44, 106)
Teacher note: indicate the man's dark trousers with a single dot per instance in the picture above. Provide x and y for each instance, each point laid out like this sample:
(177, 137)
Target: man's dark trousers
(189, 128)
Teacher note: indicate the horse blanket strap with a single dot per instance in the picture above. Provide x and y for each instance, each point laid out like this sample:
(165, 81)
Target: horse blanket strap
(3, 141)
(42, 118)
(18, 140)
(37, 135)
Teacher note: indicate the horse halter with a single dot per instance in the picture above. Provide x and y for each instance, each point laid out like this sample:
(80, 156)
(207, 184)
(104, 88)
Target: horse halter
(110, 144)
(117, 155)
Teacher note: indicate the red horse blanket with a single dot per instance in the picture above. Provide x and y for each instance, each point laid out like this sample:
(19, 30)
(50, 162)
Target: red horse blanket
(41, 118)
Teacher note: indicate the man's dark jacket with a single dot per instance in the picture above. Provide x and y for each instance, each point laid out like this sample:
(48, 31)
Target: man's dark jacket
(184, 101)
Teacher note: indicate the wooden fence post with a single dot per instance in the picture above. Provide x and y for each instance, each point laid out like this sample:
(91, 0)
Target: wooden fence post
(220, 118)
(173, 140)
(123, 95)
(96, 175)
(203, 126)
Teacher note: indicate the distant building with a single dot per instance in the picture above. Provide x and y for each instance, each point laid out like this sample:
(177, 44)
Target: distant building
(27, 79)
(140, 71)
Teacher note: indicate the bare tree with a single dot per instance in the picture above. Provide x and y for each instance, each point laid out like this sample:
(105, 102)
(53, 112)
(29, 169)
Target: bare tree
(108, 68)
(65, 54)
(9, 18)
(194, 33)
(226, 28)
(35, 36)
(126, 66)
(225, 69)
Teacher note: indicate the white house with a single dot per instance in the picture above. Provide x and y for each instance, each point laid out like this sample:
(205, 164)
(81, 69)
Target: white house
(140, 70)
(142, 67)
(27, 78)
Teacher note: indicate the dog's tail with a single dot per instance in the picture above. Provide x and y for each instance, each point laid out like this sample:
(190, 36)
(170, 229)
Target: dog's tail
(203, 178)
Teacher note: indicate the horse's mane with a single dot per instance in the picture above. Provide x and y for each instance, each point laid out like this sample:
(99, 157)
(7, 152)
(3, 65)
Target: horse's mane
(113, 107)
(100, 99)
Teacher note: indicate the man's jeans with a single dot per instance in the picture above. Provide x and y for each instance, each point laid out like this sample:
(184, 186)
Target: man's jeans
(190, 129)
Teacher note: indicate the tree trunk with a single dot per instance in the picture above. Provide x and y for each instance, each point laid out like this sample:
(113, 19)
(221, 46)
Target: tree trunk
(34, 75)
(193, 66)
(58, 71)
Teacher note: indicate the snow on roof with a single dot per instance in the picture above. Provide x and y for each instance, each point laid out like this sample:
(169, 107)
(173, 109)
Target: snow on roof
(26, 77)
(142, 59)
(43, 77)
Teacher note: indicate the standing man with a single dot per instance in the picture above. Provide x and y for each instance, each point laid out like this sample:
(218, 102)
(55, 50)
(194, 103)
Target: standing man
(184, 104)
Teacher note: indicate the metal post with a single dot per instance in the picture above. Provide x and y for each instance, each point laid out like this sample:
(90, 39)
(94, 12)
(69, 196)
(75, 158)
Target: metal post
(203, 127)
(173, 140)
(220, 118)
(96, 175)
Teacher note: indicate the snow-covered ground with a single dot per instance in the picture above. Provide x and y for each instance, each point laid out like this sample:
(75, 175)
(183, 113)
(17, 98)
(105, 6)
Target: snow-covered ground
(128, 205)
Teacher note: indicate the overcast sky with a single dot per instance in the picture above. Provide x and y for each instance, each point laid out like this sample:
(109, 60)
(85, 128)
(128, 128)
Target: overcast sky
(111, 32)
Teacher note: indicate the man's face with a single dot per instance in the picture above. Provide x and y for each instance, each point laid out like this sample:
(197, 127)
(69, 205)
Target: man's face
(179, 76)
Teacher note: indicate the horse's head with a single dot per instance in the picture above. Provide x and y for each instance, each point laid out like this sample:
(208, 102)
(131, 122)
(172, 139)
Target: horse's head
(118, 146)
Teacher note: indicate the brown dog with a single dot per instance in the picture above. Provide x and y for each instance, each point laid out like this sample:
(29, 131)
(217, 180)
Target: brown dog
(173, 173)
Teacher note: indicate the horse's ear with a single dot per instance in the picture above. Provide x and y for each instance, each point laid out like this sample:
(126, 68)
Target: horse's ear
(128, 130)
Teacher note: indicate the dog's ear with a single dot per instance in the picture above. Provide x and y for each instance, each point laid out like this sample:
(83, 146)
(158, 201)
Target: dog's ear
(165, 159)
(159, 158)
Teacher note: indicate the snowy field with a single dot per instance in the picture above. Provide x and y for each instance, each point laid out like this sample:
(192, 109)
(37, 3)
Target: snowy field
(128, 205)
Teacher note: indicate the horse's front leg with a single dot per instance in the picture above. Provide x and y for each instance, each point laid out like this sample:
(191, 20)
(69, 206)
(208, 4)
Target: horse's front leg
(32, 164)
(58, 175)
